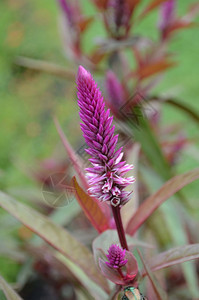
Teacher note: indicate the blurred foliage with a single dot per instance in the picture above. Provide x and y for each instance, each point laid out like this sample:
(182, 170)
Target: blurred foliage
(29, 99)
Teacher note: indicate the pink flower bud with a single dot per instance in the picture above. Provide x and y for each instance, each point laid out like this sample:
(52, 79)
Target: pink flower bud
(116, 257)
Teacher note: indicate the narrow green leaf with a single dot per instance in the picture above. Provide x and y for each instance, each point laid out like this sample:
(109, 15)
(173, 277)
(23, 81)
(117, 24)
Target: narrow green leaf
(91, 287)
(172, 218)
(142, 132)
(8, 291)
(75, 159)
(66, 214)
(154, 201)
(183, 107)
(45, 66)
(56, 236)
(151, 6)
(176, 227)
(131, 206)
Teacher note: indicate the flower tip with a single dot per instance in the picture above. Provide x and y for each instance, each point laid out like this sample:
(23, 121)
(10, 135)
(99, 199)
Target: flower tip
(82, 73)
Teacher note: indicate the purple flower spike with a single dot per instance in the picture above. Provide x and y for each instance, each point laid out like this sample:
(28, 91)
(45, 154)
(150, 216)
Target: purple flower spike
(106, 175)
(116, 257)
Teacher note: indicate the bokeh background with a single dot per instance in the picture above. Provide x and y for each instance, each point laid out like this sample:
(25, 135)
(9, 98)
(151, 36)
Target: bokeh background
(30, 99)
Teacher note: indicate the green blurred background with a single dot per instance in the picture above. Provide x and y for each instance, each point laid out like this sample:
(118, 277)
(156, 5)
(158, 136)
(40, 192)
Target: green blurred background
(29, 99)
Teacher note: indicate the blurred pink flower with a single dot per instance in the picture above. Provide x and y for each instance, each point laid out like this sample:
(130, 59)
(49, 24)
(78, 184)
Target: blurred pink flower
(167, 15)
(115, 92)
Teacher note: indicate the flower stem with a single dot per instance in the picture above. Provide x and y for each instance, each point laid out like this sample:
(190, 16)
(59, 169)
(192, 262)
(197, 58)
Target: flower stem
(119, 226)
(120, 272)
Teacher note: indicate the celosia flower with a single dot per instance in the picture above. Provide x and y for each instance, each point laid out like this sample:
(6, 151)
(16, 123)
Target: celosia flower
(116, 257)
(106, 177)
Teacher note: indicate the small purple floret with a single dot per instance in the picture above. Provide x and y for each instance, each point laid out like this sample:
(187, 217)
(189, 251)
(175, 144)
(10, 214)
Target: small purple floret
(106, 176)
(116, 257)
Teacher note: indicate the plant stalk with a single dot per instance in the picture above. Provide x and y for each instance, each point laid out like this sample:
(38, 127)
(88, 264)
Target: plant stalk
(119, 226)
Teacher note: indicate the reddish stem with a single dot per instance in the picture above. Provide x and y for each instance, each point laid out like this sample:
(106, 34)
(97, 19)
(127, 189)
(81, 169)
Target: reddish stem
(120, 272)
(119, 226)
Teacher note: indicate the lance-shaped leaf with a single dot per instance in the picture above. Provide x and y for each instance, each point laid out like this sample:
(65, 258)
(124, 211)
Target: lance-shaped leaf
(96, 56)
(130, 207)
(186, 108)
(68, 270)
(151, 6)
(93, 289)
(72, 155)
(132, 4)
(8, 291)
(159, 292)
(91, 208)
(172, 219)
(110, 273)
(174, 256)
(178, 25)
(44, 66)
(184, 22)
(84, 23)
(56, 236)
(101, 4)
(143, 133)
(154, 68)
(154, 201)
